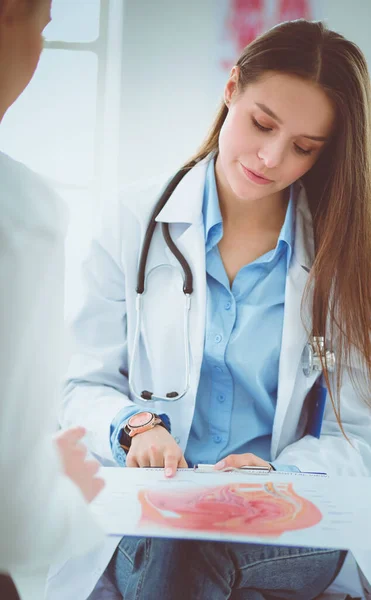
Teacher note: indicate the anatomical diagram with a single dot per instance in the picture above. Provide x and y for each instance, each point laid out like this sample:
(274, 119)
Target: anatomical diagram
(261, 509)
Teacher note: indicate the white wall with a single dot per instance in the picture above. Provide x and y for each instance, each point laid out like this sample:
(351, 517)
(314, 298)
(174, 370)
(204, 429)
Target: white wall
(168, 99)
(171, 85)
(351, 18)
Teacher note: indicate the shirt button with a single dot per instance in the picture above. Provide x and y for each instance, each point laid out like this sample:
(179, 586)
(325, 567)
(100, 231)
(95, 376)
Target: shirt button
(217, 439)
(177, 439)
(221, 397)
(218, 338)
(227, 305)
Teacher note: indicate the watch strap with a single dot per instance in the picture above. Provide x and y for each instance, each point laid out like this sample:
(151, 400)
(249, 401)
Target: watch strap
(165, 421)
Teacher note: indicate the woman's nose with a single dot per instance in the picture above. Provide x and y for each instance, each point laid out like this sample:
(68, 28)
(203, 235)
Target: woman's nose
(271, 155)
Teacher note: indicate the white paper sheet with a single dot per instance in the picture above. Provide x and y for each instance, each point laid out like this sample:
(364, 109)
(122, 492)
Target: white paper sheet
(286, 509)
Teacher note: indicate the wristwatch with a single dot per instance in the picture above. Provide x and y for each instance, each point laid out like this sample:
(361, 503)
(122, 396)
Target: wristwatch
(140, 423)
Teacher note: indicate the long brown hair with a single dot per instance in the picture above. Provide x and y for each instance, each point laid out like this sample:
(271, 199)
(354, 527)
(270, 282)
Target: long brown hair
(338, 186)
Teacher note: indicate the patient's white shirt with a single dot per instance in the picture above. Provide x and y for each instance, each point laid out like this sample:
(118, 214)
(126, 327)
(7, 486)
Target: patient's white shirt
(43, 516)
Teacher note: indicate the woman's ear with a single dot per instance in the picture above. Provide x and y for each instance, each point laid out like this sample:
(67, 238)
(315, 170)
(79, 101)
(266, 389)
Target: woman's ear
(231, 86)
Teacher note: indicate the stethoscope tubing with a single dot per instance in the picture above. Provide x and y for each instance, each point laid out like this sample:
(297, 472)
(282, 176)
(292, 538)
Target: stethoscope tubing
(173, 396)
(188, 278)
(146, 396)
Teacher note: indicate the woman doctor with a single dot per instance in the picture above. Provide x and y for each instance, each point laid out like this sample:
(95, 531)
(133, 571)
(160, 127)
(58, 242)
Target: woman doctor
(273, 216)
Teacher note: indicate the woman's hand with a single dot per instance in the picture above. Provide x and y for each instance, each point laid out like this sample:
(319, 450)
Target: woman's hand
(81, 471)
(156, 448)
(241, 460)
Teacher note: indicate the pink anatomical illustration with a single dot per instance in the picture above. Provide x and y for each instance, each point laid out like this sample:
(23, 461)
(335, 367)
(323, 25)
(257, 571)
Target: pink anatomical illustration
(261, 509)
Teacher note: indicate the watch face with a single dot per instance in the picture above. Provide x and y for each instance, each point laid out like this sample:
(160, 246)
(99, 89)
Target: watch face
(140, 419)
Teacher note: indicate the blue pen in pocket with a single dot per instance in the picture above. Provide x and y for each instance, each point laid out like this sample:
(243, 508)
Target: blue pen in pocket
(318, 395)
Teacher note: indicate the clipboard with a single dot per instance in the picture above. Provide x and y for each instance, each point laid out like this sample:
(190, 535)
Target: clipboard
(126, 507)
(251, 470)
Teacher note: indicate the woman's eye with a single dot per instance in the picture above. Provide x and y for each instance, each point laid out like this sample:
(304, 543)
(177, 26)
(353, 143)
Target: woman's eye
(260, 127)
(300, 150)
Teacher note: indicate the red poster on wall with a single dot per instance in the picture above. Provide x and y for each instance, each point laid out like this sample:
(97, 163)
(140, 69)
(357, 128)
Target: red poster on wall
(289, 10)
(246, 20)
(243, 20)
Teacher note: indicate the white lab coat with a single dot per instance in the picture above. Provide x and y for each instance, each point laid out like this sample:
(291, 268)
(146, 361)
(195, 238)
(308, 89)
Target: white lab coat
(104, 329)
(43, 516)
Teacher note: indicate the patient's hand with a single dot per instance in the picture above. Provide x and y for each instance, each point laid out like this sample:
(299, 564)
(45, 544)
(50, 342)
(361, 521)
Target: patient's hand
(156, 448)
(75, 466)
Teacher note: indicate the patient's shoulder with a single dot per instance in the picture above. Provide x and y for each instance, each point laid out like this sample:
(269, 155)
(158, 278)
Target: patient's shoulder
(27, 200)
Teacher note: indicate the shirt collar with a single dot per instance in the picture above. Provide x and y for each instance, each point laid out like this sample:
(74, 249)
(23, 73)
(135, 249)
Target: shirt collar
(213, 217)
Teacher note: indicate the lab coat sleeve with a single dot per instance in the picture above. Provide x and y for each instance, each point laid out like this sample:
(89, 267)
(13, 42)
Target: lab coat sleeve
(43, 515)
(332, 453)
(96, 389)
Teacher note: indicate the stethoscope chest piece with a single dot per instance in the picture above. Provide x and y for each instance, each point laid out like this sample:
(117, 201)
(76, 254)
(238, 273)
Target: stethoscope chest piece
(314, 355)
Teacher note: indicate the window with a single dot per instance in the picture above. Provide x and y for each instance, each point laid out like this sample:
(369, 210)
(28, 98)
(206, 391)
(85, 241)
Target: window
(53, 126)
(60, 126)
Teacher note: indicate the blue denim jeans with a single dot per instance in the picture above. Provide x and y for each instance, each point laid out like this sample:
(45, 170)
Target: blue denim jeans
(162, 569)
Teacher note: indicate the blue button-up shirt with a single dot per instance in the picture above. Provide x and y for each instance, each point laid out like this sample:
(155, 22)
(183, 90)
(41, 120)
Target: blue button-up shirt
(237, 393)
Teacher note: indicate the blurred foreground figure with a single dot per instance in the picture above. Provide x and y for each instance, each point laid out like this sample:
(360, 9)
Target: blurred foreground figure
(45, 485)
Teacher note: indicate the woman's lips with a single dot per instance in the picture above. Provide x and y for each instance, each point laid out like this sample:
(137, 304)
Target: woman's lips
(255, 177)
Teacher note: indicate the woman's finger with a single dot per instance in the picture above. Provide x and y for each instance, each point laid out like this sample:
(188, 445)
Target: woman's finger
(182, 463)
(171, 464)
(143, 460)
(241, 460)
(156, 458)
(131, 461)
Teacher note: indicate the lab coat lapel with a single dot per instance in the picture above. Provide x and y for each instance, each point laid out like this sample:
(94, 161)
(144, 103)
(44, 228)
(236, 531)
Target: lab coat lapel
(184, 213)
(294, 335)
(192, 245)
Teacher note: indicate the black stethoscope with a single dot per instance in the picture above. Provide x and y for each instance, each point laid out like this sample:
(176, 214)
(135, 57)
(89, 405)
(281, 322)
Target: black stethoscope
(145, 395)
(314, 354)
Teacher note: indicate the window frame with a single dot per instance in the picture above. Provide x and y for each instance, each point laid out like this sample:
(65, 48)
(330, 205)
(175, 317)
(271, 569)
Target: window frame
(108, 49)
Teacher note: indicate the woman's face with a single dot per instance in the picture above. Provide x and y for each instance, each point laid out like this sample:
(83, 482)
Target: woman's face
(276, 128)
(22, 23)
